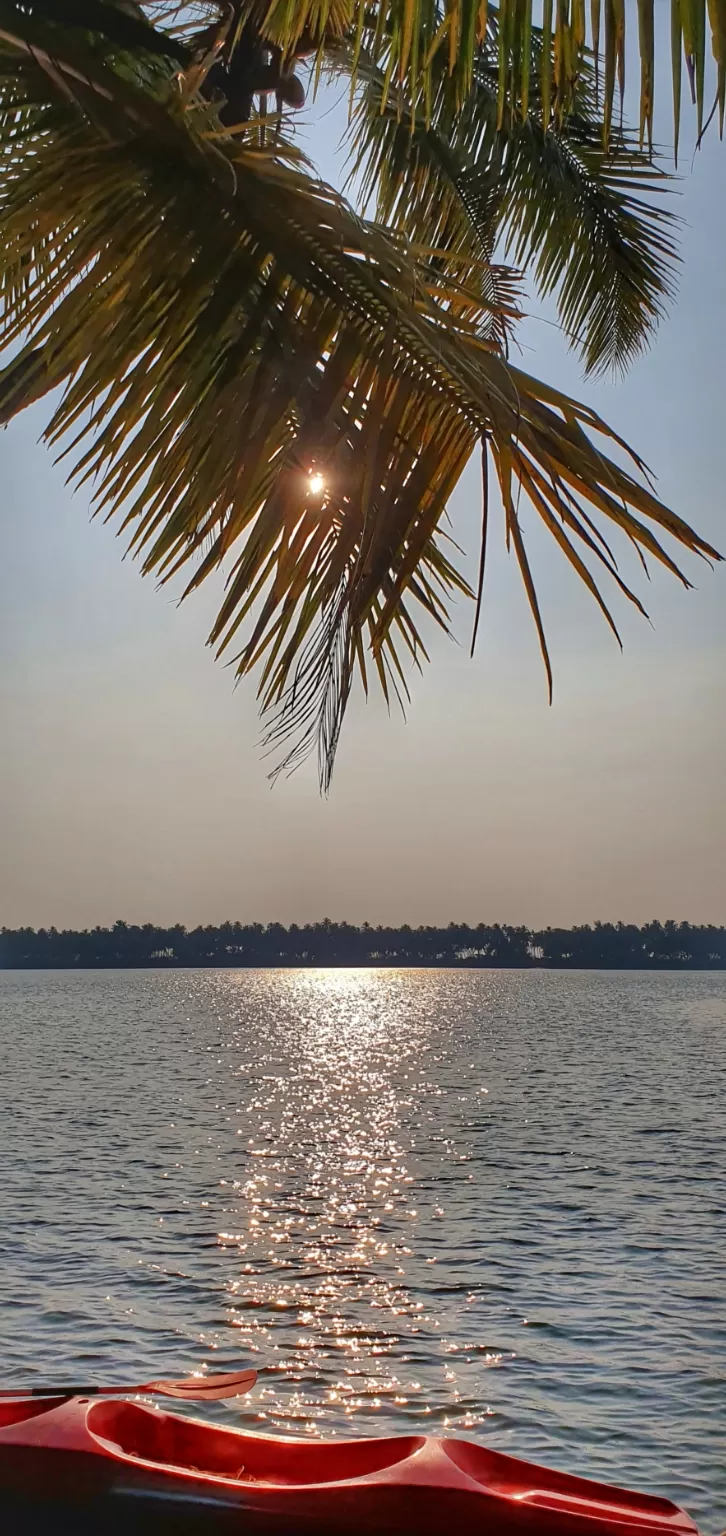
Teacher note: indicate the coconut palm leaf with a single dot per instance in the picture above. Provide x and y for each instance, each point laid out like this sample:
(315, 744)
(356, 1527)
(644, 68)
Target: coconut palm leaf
(410, 39)
(220, 324)
(588, 224)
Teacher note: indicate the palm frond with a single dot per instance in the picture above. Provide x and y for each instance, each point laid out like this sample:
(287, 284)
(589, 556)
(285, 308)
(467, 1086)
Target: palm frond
(410, 39)
(592, 228)
(121, 22)
(221, 325)
(590, 225)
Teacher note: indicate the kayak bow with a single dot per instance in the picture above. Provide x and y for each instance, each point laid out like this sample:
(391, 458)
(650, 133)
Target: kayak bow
(98, 1467)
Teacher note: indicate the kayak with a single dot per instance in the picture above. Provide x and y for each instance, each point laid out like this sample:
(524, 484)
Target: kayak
(75, 1467)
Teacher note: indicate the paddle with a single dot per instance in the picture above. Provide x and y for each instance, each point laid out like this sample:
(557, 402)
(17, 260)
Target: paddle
(194, 1388)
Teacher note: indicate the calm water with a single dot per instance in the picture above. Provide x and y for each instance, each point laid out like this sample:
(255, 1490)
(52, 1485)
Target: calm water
(483, 1203)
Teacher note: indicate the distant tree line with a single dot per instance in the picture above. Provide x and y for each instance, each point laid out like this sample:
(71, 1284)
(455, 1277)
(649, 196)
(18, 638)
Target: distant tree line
(610, 946)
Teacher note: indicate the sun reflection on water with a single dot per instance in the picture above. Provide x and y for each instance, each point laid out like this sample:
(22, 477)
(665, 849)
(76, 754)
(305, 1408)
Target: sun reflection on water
(324, 1220)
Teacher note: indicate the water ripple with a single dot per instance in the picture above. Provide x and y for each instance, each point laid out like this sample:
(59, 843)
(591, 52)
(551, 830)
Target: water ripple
(491, 1203)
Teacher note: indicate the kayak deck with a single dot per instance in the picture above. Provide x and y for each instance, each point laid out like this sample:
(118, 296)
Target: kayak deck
(89, 1466)
(186, 1445)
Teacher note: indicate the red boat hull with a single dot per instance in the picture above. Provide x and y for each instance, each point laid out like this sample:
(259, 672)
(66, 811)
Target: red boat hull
(85, 1467)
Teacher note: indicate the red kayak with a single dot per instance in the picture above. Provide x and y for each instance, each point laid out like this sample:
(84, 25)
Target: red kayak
(82, 1466)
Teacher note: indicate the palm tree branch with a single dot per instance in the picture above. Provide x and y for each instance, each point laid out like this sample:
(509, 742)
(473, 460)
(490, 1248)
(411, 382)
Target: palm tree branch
(592, 226)
(220, 322)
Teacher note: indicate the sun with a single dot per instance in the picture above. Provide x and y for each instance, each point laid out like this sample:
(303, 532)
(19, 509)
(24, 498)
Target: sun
(316, 483)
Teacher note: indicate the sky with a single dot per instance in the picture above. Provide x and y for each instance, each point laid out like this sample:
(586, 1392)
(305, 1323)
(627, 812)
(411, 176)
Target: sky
(132, 783)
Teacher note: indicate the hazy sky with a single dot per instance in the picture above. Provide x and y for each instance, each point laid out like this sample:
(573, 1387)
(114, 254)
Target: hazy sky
(131, 783)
